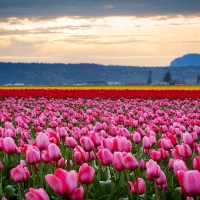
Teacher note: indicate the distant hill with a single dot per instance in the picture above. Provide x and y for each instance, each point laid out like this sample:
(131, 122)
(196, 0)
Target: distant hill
(70, 74)
(187, 60)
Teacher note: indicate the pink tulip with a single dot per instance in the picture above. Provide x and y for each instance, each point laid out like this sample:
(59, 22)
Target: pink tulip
(87, 144)
(146, 142)
(8, 133)
(61, 162)
(179, 165)
(98, 126)
(22, 163)
(130, 162)
(176, 155)
(8, 145)
(124, 133)
(79, 155)
(165, 144)
(171, 163)
(105, 157)
(32, 155)
(164, 154)
(163, 128)
(197, 129)
(70, 142)
(62, 132)
(9, 125)
(113, 130)
(63, 182)
(122, 144)
(54, 152)
(20, 143)
(142, 133)
(53, 136)
(91, 155)
(136, 137)
(20, 174)
(45, 156)
(41, 141)
(78, 194)
(153, 169)
(164, 186)
(189, 182)
(142, 165)
(184, 150)
(155, 155)
(95, 138)
(154, 128)
(108, 144)
(86, 174)
(194, 136)
(162, 179)
(37, 194)
(187, 139)
(117, 161)
(196, 163)
(173, 139)
(138, 187)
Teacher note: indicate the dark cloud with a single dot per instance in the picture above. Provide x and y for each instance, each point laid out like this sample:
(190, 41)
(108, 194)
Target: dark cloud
(96, 8)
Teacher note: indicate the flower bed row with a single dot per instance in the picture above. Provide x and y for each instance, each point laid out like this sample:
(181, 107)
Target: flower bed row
(99, 148)
(104, 94)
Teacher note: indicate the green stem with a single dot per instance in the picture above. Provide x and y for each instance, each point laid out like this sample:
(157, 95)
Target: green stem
(13, 160)
(41, 170)
(33, 174)
(22, 189)
(155, 188)
(164, 193)
(64, 148)
(112, 179)
(64, 198)
(138, 147)
(99, 170)
(127, 182)
(87, 191)
(137, 184)
(1, 185)
(19, 191)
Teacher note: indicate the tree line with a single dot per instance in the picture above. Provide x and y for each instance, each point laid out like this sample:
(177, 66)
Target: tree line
(68, 74)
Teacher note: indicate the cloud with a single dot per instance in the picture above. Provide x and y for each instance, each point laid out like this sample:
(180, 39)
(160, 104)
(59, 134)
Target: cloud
(88, 8)
(101, 39)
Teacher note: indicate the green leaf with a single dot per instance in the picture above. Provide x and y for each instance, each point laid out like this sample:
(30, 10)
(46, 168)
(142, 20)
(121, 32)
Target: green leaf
(104, 175)
(118, 189)
(98, 189)
(106, 186)
(9, 190)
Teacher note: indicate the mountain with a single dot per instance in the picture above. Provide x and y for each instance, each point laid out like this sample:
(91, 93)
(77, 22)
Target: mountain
(192, 59)
(69, 74)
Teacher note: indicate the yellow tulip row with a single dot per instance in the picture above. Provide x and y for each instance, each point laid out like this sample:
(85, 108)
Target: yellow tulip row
(143, 87)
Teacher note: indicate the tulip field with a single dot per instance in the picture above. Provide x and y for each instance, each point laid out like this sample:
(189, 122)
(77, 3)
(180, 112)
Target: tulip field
(100, 144)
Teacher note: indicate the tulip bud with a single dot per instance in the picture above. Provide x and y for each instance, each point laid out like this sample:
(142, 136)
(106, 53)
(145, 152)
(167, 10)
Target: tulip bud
(86, 174)
(138, 187)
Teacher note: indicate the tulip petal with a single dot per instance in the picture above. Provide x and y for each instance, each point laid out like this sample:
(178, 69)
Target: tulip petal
(55, 183)
(31, 196)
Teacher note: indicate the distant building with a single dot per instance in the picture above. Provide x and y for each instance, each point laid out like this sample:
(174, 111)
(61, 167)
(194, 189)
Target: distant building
(97, 83)
(8, 84)
(114, 83)
(18, 84)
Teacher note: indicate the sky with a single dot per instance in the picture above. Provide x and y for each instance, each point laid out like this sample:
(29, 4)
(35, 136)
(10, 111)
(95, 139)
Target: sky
(115, 32)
